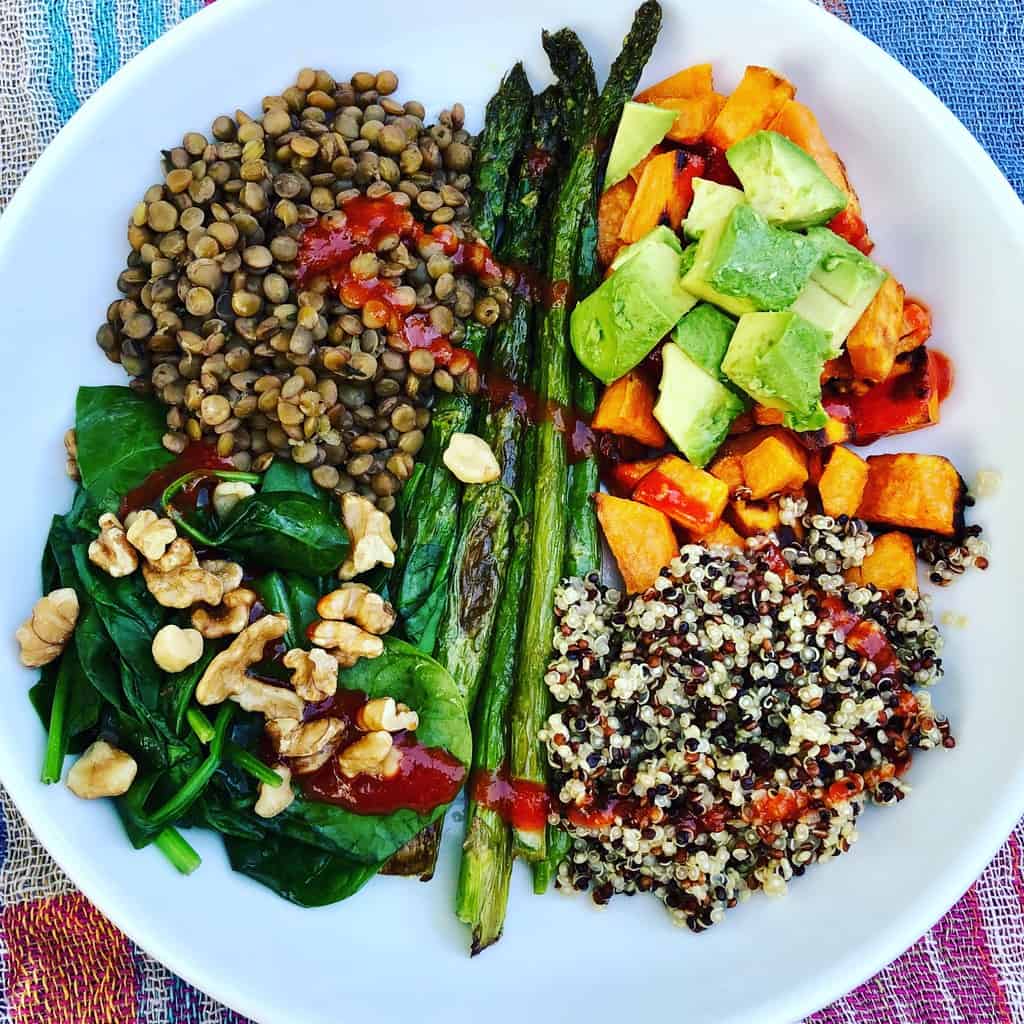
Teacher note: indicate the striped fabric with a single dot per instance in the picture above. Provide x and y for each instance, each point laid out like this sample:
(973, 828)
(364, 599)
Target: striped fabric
(62, 963)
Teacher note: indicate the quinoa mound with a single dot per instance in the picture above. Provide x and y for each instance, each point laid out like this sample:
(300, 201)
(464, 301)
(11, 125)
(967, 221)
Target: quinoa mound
(723, 730)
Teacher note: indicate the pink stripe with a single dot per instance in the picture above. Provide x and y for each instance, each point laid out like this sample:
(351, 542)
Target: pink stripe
(973, 904)
(1015, 873)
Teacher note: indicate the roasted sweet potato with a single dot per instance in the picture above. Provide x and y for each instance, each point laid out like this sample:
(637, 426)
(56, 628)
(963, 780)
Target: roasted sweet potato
(720, 534)
(753, 517)
(626, 475)
(851, 227)
(663, 195)
(836, 431)
(842, 483)
(689, 496)
(758, 98)
(797, 122)
(765, 416)
(891, 566)
(640, 538)
(873, 342)
(692, 81)
(637, 171)
(773, 467)
(909, 399)
(611, 212)
(918, 492)
(729, 469)
(627, 408)
(694, 116)
(917, 326)
(743, 424)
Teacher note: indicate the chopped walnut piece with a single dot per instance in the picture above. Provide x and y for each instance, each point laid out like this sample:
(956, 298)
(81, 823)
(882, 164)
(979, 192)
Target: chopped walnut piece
(102, 770)
(228, 493)
(382, 713)
(369, 531)
(357, 603)
(226, 674)
(314, 673)
(230, 574)
(268, 700)
(372, 754)
(312, 763)
(229, 617)
(44, 634)
(174, 648)
(471, 459)
(182, 588)
(150, 535)
(293, 738)
(346, 641)
(275, 799)
(71, 448)
(179, 555)
(111, 550)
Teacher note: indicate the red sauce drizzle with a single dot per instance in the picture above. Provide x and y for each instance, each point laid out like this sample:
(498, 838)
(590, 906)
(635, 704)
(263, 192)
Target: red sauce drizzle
(427, 777)
(942, 368)
(523, 804)
(194, 457)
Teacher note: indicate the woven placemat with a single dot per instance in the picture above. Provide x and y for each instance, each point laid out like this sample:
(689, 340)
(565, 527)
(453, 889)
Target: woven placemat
(61, 962)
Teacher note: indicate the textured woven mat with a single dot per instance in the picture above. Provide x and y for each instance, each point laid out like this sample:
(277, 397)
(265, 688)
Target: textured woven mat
(61, 962)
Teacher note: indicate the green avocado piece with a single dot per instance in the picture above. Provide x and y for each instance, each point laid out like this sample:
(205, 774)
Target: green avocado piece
(689, 256)
(840, 288)
(783, 182)
(697, 278)
(660, 235)
(694, 408)
(703, 334)
(641, 127)
(777, 359)
(764, 265)
(616, 326)
(711, 204)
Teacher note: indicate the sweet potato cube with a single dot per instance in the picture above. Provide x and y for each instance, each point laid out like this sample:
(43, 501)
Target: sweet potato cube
(797, 122)
(721, 534)
(918, 492)
(773, 467)
(842, 483)
(626, 475)
(663, 195)
(907, 400)
(689, 496)
(917, 326)
(765, 416)
(694, 116)
(640, 538)
(637, 171)
(611, 212)
(627, 408)
(758, 98)
(891, 566)
(874, 341)
(753, 517)
(693, 81)
(729, 469)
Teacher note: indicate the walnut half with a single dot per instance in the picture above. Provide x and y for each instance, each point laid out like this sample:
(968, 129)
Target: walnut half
(369, 531)
(45, 633)
(111, 550)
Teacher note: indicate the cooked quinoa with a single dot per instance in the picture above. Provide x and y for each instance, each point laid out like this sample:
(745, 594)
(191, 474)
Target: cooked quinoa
(723, 730)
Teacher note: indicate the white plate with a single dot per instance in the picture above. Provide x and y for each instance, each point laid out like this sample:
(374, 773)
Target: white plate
(944, 219)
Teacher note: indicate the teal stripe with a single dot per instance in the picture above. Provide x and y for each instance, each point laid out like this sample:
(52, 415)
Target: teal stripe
(104, 34)
(60, 75)
(191, 6)
(151, 20)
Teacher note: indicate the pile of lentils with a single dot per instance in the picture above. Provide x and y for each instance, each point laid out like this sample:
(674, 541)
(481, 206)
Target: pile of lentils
(726, 724)
(211, 319)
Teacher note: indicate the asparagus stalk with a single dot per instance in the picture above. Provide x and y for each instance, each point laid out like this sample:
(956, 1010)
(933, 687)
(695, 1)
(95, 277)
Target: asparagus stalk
(486, 866)
(424, 557)
(591, 118)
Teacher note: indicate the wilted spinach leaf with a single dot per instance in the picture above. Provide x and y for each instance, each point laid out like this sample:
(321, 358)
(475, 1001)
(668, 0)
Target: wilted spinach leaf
(285, 475)
(119, 436)
(292, 595)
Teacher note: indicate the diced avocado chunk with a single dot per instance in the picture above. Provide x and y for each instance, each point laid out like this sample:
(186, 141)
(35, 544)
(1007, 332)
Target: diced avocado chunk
(689, 256)
(841, 287)
(711, 204)
(615, 327)
(660, 235)
(783, 182)
(641, 127)
(753, 261)
(698, 277)
(694, 408)
(777, 359)
(703, 334)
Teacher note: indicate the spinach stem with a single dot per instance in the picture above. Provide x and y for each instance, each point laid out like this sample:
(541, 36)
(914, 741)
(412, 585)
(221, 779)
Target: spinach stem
(200, 725)
(197, 474)
(56, 740)
(237, 755)
(178, 850)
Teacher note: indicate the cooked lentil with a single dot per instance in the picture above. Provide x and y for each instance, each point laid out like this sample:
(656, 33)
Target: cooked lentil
(719, 733)
(213, 322)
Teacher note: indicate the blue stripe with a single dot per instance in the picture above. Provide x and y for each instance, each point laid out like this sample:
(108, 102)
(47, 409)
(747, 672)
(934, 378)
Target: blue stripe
(104, 34)
(970, 54)
(151, 20)
(191, 6)
(60, 70)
